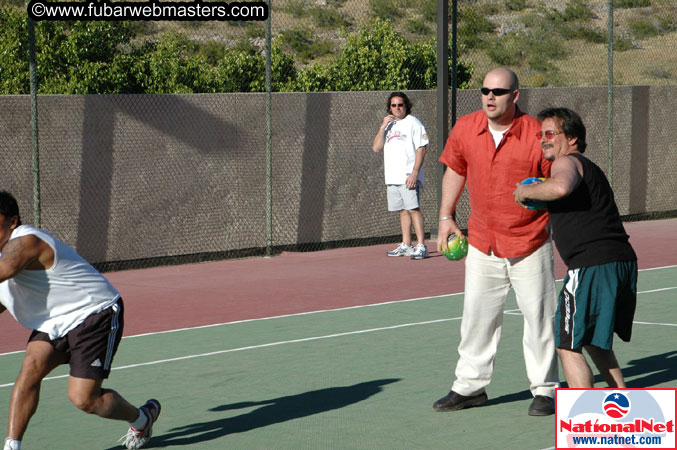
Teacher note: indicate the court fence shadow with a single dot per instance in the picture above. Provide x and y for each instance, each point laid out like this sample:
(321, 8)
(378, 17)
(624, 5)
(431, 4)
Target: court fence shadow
(271, 412)
(651, 370)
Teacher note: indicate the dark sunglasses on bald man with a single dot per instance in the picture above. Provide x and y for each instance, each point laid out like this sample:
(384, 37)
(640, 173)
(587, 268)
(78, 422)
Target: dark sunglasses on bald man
(496, 91)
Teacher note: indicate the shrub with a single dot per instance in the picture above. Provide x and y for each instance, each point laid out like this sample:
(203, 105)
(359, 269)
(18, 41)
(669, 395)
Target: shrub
(104, 58)
(211, 52)
(417, 26)
(300, 41)
(328, 17)
(659, 73)
(516, 5)
(472, 26)
(384, 9)
(506, 50)
(169, 65)
(577, 10)
(643, 28)
(428, 9)
(622, 43)
(73, 57)
(296, 8)
(242, 72)
(535, 50)
(378, 58)
(631, 3)
(14, 51)
(255, 30)
(667, 23)
(585, 32)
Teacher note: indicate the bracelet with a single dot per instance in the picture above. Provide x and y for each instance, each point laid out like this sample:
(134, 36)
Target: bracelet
(445, 218)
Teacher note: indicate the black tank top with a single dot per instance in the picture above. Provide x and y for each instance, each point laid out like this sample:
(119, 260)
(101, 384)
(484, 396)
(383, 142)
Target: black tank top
(587, 227)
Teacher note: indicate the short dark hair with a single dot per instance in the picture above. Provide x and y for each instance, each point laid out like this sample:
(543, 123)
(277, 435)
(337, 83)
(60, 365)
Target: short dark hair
(8, 206)
(571, 123)
(407, 102)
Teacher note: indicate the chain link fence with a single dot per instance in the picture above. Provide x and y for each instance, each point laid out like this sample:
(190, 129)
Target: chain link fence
(163, 142)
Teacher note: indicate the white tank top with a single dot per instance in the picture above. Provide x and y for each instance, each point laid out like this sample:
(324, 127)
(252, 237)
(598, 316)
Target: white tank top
(60, 298)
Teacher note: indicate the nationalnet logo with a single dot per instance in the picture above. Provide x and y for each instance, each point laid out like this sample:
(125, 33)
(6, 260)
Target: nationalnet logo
(610, 418)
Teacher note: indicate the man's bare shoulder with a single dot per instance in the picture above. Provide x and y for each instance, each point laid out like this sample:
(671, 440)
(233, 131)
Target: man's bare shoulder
(24, 252)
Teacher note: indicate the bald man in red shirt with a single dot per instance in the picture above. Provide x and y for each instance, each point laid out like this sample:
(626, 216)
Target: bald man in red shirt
(490, 151)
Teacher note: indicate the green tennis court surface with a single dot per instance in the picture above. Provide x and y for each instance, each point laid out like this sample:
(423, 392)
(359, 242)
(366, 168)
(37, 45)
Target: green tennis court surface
(360, 378)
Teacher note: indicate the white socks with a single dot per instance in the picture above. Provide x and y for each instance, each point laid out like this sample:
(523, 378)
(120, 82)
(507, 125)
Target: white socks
(140, 423)
(11, 444)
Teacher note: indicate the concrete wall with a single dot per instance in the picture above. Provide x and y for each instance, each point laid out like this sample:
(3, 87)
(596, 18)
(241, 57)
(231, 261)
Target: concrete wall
(129, 177)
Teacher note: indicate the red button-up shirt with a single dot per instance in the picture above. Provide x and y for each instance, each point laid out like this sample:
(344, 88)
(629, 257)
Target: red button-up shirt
(496, 222)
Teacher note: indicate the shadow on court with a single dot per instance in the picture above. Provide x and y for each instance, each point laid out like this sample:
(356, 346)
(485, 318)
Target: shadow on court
(271, 411)
(514, 397)
(652, 370)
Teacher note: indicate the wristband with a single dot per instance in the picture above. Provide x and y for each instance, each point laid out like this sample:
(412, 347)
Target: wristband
(445, 218)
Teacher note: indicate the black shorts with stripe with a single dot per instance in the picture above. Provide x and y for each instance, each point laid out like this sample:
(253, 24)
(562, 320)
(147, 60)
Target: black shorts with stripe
(90, 346)
(594, 303)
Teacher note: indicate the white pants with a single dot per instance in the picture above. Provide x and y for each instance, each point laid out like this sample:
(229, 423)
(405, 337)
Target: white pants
(487, 282)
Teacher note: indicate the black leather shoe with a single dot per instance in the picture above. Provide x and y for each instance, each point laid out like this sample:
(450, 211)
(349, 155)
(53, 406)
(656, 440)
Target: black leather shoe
(542, 406)
(454, 401)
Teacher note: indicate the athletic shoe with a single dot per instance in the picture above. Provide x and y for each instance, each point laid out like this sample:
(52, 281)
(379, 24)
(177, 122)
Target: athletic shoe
(11, 444)
(421, 252)
(454, 401)
(402, 250)
(542, 406)
(139, 438)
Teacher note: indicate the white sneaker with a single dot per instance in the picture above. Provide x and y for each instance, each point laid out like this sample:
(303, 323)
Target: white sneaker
(11, 444)
(421, 252)
(139, 438)
(402, 250)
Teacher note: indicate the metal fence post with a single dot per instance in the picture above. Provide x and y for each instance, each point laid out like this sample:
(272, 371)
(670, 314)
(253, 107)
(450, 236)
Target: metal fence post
(442, 82)
(269, 138)
(34, 122)
(610, 101)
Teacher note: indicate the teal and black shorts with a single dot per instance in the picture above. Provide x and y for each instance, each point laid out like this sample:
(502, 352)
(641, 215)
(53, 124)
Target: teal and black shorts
(594, 303)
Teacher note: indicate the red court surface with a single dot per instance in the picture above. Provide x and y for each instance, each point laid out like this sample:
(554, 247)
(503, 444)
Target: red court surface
(168, 298)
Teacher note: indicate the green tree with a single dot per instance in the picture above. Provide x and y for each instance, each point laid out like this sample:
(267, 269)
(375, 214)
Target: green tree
(72, 57)
(80, 57)
(13, 53)
(378, 58)
(172, 65)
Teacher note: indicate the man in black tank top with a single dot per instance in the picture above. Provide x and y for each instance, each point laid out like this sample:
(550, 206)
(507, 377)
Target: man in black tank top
(590, 238)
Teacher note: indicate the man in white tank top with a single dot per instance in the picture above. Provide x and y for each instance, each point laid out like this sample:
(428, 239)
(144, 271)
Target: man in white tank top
(77, 317)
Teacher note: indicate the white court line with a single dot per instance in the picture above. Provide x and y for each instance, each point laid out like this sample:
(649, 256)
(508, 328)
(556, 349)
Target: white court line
(295, 341)
(436, 297)
(270, 344)
(657, 290)
(282, 316)
(305, 313)
(509, 312)
(657, 268)
(656, 323)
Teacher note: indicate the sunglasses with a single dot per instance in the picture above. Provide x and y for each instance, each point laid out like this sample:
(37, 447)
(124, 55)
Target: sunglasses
(549, 134)
(496, 91)
(396, 105)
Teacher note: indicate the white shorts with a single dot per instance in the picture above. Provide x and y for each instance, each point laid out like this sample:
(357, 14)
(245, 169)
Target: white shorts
(399, 197)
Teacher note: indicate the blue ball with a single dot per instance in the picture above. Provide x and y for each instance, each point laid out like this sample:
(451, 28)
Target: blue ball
(534, 204)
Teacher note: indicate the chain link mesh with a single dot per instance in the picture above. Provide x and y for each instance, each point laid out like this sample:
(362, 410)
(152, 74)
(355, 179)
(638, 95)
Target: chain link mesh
(152, 142)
